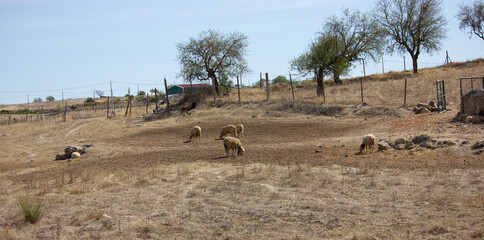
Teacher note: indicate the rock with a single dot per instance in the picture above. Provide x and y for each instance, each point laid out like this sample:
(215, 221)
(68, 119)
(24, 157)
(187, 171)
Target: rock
(478, 145)
(383, 146)
(472, 103)
(431, 104)
(62, 156)
(400, 146)
(420, 139)
(478, 152)
(428, 144)
(75, 155)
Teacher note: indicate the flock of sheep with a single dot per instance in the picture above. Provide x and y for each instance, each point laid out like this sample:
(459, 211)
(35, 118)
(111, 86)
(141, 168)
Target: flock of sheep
(230, 143)
(233, 143)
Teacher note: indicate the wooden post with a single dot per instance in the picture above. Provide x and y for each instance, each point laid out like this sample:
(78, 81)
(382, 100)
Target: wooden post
(107, 108)
(260, 81)
(364, 69)
(404, 65)
(65, 112)
(166, 93)
(156, 99)
(292, 87)
(27, 115)
(238, 86)
(128, 106)
(361, 86)
(405, 94)
(267, 85)
(147, 102)
(9, 117)
(41, 113)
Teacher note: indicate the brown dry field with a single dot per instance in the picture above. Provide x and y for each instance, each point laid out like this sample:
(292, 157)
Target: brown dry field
(301, 177)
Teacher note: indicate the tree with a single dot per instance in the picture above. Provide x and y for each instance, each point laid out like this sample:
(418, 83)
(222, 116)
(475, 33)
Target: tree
(99, 93)
(141, 93)
(280, 79)
(212, 54)
(472, 18)
(50, 98)
(356, 36)
(318, 60)
(37, 100)
(412, 25)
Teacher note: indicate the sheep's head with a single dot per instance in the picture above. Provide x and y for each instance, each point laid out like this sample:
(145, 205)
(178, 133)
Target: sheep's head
(241, 151)
(362, 146)
(194, 104)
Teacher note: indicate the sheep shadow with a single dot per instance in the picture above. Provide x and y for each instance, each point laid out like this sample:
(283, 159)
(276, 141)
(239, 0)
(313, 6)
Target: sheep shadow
(218, 158)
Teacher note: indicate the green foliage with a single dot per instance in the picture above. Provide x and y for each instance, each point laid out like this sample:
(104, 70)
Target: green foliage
(50, 98)
(225, 85)
(141, 93)
(25, 110)
(4, 111)
(32, 210)
(211, 55)
(37, 100)
(280, 79)
(90, 102)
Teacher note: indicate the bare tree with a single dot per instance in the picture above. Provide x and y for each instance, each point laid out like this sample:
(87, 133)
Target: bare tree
(412, 25)
(472, 18)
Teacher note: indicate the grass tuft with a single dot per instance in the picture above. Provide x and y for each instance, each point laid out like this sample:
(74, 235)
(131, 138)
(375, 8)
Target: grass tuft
(31, 209)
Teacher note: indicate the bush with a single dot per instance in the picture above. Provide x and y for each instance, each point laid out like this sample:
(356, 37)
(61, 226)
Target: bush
(90, 102)
(50, 98)
(32, 210)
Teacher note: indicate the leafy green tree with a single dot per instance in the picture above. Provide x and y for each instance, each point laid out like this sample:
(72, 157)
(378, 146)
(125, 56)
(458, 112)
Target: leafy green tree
(212, 54)
(37, 100)
(141, 93)
(357, 36)
(89, 102)
(412, 26)
(50, 98)
(280, 79)
(472, 18)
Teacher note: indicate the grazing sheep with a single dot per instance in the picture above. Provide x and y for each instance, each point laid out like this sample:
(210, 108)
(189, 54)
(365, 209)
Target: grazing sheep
(75, 155)
(187, 108)
(229, 129)
(240, 129)
(196, 132)
(234, 144)
(368, 142)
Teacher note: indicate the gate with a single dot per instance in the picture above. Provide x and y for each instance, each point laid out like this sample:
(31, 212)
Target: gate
(441, 96)
(468, 84)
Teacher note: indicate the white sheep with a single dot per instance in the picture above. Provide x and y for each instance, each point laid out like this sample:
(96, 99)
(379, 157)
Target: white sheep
(368, 142)
(239, 129)
(229, 129)
(234, 144)
(195, 132)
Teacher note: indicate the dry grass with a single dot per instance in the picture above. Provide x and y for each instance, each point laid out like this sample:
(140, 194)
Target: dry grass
(300, 178)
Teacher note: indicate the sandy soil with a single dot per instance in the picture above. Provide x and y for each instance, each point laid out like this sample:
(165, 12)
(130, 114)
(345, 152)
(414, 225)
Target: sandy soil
(301, 178)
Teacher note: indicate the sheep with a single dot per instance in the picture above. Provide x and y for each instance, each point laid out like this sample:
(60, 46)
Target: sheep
(234, 144)
(240, 129)
(188, 107)
(368, 142)
(229, 129)
(196, 132)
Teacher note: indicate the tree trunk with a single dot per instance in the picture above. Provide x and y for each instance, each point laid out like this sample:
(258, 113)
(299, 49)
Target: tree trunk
(415, 65)
(320, 87)
(337, 80)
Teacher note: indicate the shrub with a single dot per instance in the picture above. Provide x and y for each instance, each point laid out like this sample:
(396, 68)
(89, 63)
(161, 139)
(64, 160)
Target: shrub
(32, 210)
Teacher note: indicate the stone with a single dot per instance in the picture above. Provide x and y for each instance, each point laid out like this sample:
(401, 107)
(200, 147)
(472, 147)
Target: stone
(383, 146)
(420, 139)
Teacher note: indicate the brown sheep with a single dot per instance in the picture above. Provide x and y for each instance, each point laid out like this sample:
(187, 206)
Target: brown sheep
(368, 142)
(240, 129)
(196, 132)
(187, 108)
(234, 144)
(229, 129)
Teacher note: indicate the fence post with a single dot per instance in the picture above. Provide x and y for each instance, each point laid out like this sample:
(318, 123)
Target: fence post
(238, 86)
(9, 117)
(107, 108)
(41, 113)
(65, 112)
(405, 94)
(460, 83)
(147, 102)
(361, 87)
(260, 81)
(267, 85)
(292, 87)
(166, 93)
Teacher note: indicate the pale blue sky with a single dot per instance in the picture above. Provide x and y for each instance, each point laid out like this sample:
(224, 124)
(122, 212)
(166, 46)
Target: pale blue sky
(74, 46)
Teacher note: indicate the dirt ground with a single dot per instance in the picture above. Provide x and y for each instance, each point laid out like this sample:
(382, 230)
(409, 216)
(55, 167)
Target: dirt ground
(301, 177)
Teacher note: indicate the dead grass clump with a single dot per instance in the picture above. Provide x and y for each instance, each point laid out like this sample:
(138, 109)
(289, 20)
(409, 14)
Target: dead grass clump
(144, 228)
(477, 234)
(94, 214)
(437, 230)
